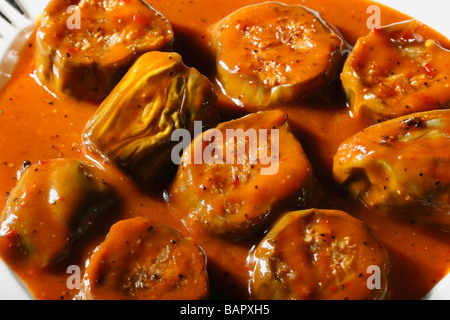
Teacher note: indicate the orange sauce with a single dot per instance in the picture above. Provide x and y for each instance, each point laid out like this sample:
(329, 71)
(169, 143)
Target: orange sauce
(38, 125)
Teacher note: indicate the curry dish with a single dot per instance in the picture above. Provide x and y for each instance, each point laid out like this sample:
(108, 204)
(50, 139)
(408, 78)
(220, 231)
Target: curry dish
(339, 189)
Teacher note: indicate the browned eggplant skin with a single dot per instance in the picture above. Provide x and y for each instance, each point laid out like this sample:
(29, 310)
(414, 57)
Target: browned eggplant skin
(401, 166)
(394, 71)
(87, 58)
(133, 126)
(54, 204)
(235, 200)
(318, 254)
(141, 259)
(272, 54)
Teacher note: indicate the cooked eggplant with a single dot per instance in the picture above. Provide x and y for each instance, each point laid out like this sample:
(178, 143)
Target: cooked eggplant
(401, 166)
(247, 170)
(54, 204)
(271, 54)
(88, 57)
(133, 126)
(394, 71)
(144, 260)
(320, 255)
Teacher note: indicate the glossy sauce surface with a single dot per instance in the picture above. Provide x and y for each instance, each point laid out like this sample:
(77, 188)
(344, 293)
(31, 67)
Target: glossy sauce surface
(38, 125)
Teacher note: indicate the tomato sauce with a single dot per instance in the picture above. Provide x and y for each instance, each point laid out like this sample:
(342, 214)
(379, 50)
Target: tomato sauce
(38, 125)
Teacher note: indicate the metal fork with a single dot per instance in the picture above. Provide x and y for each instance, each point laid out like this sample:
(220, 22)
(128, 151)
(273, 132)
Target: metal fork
(12, 18)
(14, 31)
(13, 23)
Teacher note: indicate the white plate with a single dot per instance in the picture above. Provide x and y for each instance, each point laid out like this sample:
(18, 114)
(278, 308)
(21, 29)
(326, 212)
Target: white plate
(433, 13)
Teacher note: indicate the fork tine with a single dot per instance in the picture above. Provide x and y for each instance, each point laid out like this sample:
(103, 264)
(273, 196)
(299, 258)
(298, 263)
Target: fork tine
(3, 16)
(15, 5)
(13, 14)
(6, 28)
